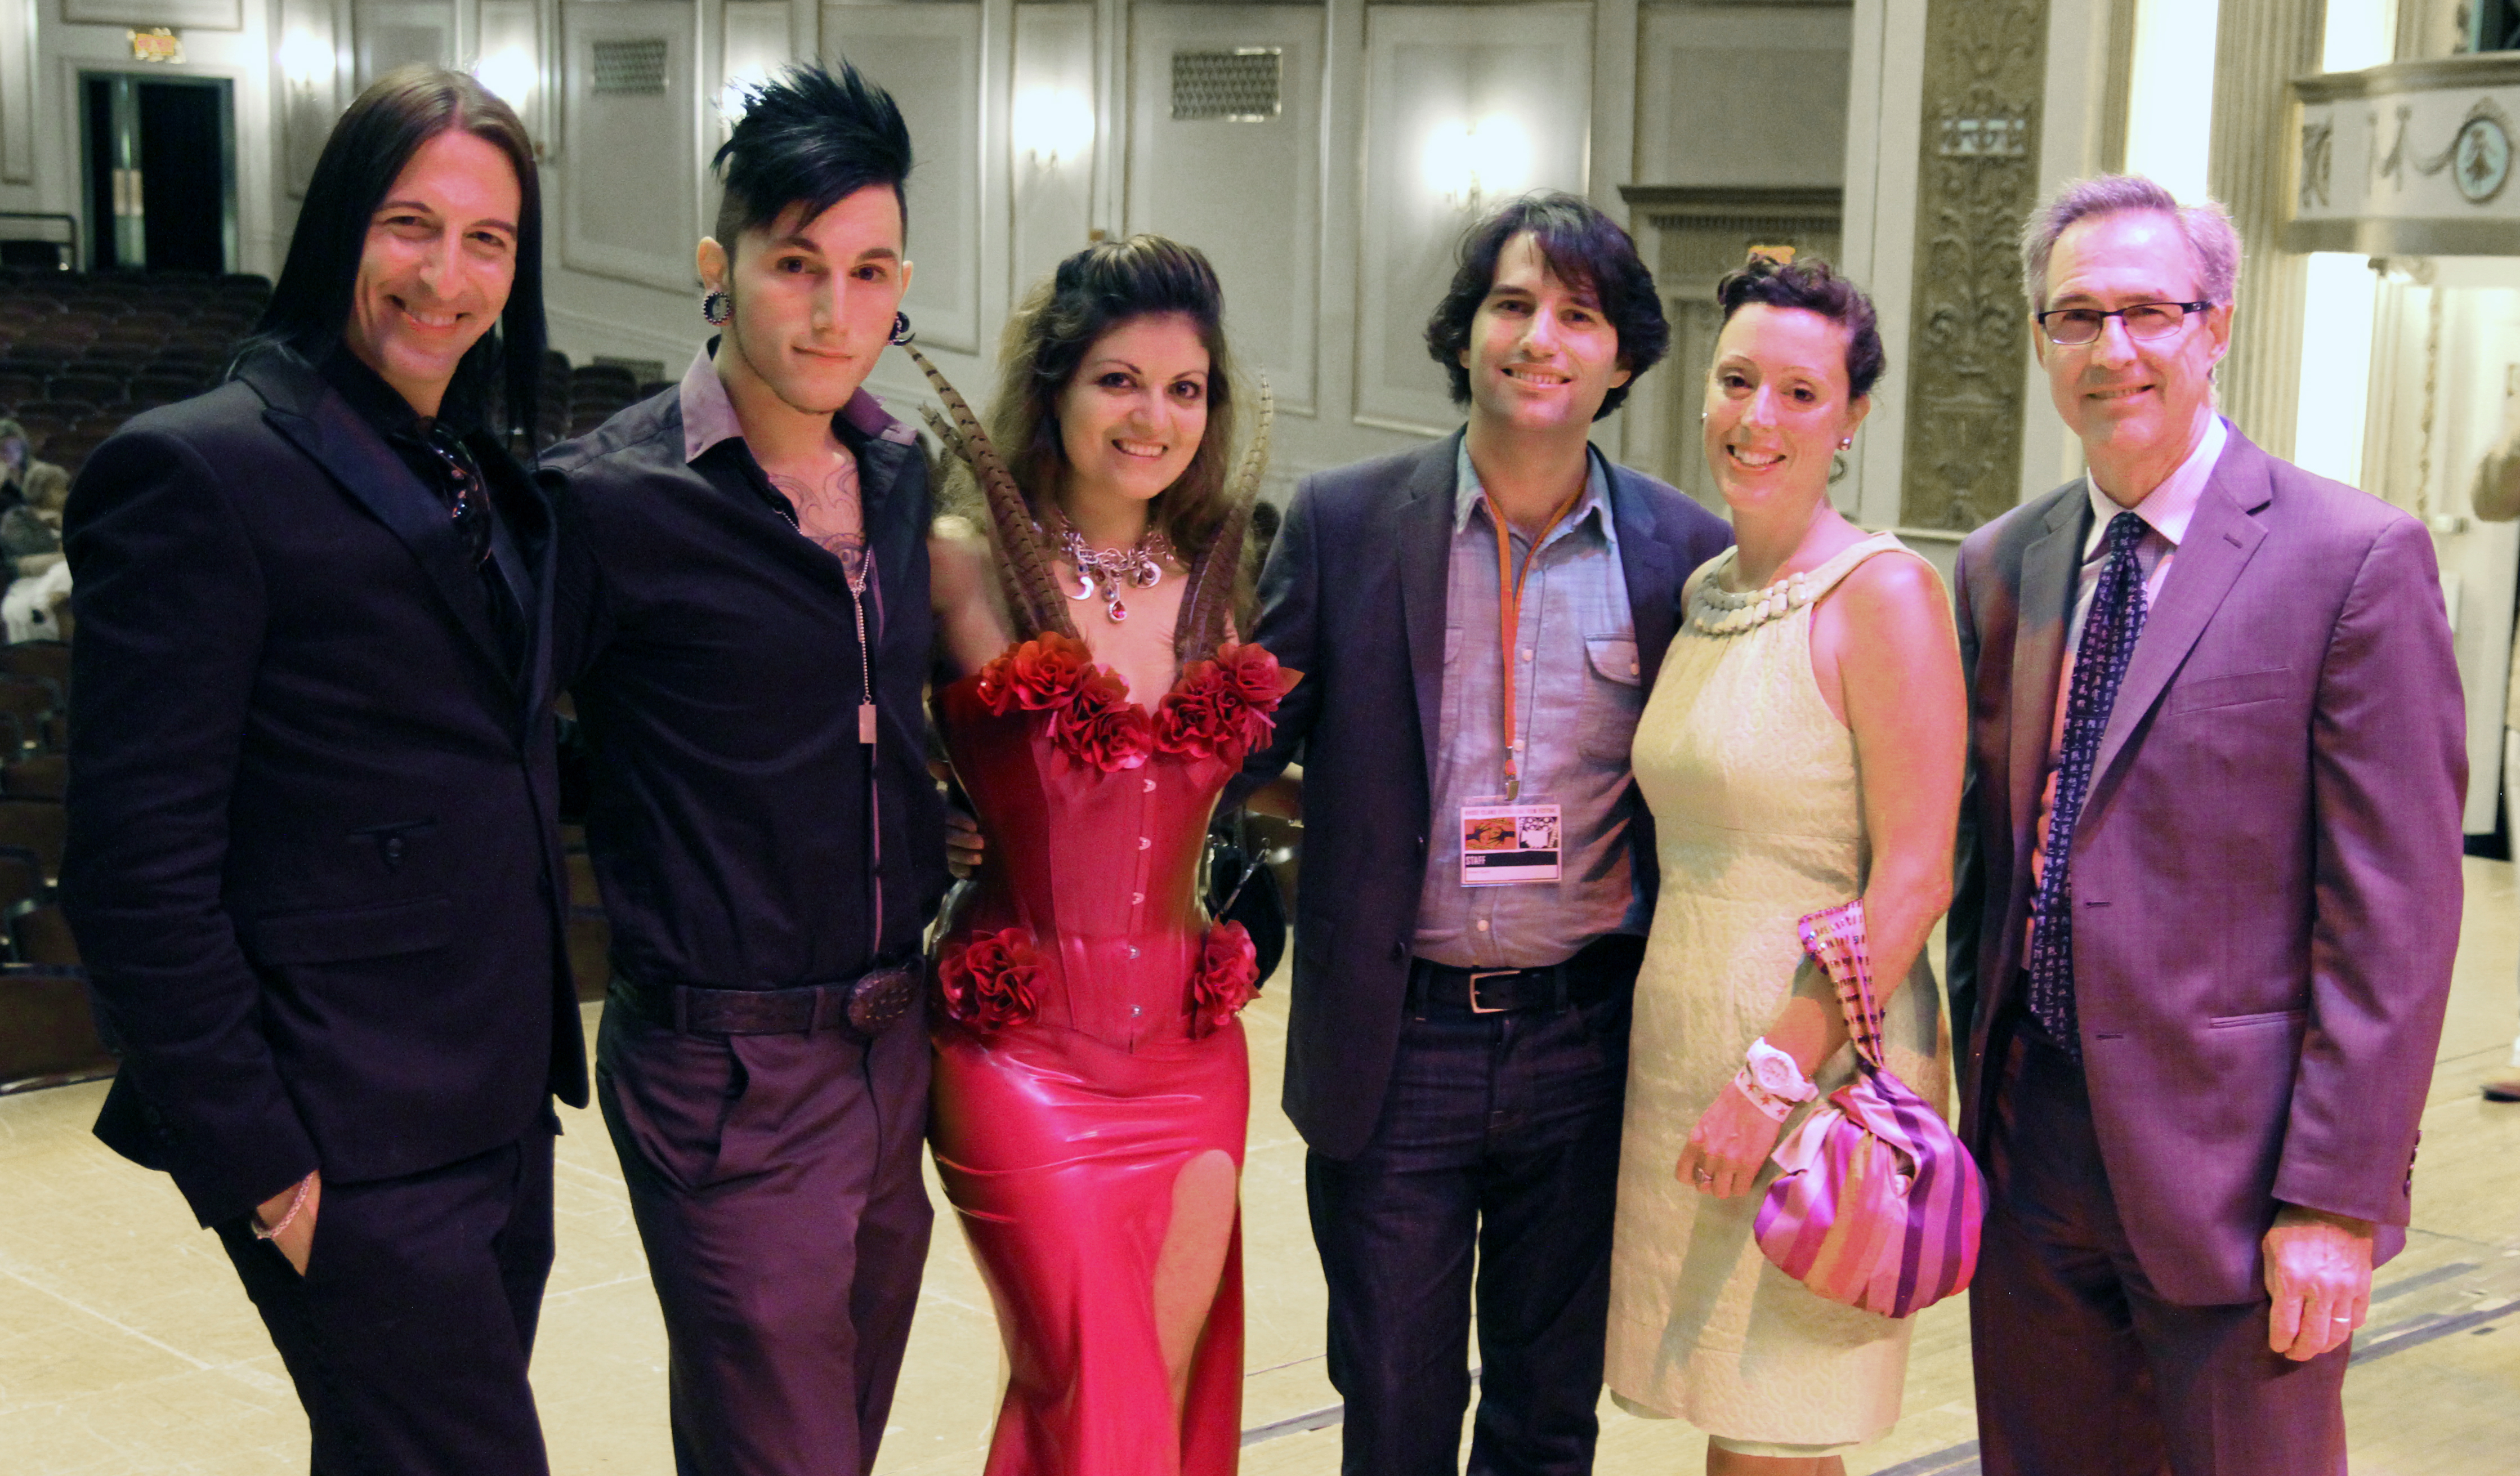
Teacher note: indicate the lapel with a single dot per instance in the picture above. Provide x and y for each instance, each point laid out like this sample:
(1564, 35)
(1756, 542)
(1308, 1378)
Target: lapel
(526, 509)
(306, 412)
(2048, 567)
(2220, 538)
(1645, 561)
(1422, 537)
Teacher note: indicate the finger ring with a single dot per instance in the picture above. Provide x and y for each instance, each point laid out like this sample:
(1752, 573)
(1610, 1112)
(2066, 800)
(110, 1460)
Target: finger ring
(2340, 1320)
(1704, 1177)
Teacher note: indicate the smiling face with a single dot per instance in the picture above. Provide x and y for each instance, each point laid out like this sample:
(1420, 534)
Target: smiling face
(1778, 404)
(1541, 355)
(813, 300)
(1134, 413)
(2138, 403)
(440, 258)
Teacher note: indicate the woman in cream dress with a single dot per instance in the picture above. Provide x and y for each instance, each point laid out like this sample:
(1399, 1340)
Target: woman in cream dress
(1803, 746)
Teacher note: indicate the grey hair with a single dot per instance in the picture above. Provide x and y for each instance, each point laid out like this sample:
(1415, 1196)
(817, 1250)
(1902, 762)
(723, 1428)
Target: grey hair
(2207, 228)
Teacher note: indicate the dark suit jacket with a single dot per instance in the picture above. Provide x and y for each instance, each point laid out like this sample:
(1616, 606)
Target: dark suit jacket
(1353, 597)
(314, 862)
(2266, 882)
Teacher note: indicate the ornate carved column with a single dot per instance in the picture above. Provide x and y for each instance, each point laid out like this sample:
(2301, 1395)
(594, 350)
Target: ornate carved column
(2262, 45)
(1985, 80)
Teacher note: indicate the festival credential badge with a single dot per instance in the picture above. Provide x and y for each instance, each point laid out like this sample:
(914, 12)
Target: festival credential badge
(1510, 844)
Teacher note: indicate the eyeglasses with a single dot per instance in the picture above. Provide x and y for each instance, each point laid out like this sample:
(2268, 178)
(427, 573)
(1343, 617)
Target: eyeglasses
(2074, 326)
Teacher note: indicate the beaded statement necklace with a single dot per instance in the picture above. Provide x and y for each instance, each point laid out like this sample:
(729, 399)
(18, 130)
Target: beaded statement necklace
(1715, 610)
(1136, 566)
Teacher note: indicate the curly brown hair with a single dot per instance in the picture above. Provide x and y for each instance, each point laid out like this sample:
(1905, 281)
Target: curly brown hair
(1061, 319)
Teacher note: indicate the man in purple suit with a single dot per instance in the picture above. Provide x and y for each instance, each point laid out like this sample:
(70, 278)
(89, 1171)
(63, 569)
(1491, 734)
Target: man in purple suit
(2208, 889)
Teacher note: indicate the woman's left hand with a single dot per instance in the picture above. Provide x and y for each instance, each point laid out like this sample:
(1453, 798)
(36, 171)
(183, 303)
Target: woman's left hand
(1727, 1146)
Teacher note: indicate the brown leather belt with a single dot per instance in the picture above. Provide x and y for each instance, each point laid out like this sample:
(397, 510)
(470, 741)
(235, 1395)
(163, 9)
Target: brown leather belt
(868, 1004)
(1601, 968)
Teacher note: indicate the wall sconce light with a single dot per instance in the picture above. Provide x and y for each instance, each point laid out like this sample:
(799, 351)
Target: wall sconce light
(1468, 163)
(305, 62)
(735, 99)
(509, 73)
(1053, 125)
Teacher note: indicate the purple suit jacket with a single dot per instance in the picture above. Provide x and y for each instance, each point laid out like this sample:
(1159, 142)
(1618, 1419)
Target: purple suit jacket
(2266, 885)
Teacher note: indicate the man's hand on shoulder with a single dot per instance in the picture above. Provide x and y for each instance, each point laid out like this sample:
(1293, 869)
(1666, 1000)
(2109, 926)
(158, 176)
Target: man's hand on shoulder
(2319, 1271)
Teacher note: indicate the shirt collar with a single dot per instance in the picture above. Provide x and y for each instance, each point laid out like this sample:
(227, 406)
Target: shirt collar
(1468, 492)
(709, 415)
(2169, 508)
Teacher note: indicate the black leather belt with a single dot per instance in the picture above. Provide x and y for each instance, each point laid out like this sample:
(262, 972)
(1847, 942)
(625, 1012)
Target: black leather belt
(1603, 968)
(867, 1004)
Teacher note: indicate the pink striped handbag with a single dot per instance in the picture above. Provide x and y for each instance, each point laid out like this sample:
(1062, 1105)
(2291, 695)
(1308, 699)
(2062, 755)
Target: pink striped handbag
(1877, 1205)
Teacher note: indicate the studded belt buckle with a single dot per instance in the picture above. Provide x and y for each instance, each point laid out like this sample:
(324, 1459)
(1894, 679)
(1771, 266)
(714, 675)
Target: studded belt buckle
(1476, 975)
(881, 997)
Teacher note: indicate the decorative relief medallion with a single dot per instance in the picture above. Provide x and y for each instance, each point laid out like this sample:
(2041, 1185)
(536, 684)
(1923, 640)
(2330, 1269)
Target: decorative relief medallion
(2483, 159)
(1985, 81)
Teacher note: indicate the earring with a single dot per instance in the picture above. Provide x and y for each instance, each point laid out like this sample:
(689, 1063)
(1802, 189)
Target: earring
(1846, 443)
(716, 306)
(901, 333)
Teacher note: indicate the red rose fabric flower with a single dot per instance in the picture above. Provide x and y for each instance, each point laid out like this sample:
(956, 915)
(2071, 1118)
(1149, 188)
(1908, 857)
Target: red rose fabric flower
(1047, 670)
(988, 983)
(1229, 975)
(1099, 727)
(1224, 703)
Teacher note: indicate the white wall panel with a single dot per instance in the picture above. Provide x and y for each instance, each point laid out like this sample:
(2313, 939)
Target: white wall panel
(1245, 192)
(629, 169)
(16, 91)
(1742, 95)
(395, 34)
(927, 56)
(1052, 129)
(1465, 107)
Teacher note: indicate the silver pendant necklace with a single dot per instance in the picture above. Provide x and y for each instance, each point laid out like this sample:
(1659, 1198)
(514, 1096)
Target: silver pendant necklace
(1136, 566)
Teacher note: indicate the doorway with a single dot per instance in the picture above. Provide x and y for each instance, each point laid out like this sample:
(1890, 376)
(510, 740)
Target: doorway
(161, 157)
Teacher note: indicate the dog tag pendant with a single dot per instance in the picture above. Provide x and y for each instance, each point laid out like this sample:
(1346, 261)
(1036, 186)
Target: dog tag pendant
(866, 724)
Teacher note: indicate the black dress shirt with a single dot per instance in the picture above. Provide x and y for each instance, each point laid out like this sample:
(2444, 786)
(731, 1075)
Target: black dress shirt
(743, 836)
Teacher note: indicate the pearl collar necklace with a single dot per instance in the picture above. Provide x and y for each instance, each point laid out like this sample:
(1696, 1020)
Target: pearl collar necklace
(1715, 610)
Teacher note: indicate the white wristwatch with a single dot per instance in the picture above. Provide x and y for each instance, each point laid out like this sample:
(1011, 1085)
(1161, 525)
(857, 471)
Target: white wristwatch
(1772, 1080)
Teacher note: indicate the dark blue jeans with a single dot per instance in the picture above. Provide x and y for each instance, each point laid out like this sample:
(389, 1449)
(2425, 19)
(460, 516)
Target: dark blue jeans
(1498, 1146)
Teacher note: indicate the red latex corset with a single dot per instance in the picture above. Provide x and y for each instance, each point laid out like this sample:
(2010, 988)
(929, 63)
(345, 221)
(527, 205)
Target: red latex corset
(1086, 915)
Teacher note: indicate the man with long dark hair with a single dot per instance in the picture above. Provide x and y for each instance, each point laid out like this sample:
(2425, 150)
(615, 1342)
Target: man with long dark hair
(314, 862)
(745, 624)
(1457, 1058)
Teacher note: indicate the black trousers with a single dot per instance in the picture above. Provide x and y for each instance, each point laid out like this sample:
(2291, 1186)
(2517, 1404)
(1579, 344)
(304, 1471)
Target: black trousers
(409, 1335)
(776, 1184)
(2082, 1368)
(1499, 1147)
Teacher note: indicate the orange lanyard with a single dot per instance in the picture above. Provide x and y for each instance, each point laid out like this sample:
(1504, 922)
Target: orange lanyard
(1510, 616)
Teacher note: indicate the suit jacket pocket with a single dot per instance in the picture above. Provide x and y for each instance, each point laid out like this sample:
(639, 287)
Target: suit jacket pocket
(2262, 1018)
(333, 935)
(2233, 690)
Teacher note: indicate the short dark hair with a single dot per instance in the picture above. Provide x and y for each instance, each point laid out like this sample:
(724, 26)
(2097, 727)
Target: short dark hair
(809, 138)
(1579, 243)
(369, 147)
(1092, 292)
(1810, 283)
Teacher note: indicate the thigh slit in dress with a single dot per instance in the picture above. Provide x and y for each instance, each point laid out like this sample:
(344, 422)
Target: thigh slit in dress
(1086, 1049)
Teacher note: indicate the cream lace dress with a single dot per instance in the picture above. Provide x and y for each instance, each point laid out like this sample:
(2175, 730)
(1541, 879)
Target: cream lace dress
(1758, 813)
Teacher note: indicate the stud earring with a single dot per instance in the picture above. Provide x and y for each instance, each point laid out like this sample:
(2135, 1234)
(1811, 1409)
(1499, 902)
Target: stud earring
(1846, 443)
(716, 306)
(901, 333)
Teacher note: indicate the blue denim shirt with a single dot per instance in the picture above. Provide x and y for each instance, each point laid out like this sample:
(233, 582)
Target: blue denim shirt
(1578, 691)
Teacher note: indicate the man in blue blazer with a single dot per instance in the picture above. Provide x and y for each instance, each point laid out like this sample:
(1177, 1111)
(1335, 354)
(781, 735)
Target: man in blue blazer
(1474, 909)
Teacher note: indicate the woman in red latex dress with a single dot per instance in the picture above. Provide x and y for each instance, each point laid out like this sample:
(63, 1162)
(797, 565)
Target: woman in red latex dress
(1092, 1085)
